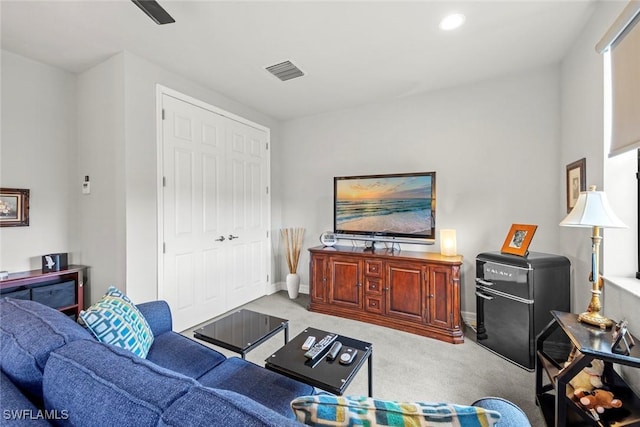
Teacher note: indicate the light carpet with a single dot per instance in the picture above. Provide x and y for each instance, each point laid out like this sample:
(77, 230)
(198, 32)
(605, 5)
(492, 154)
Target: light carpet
(407, 366)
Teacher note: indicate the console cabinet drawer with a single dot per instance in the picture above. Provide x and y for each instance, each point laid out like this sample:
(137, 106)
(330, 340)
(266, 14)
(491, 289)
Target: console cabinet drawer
(373, 285)
(373, 268)
(374, 304)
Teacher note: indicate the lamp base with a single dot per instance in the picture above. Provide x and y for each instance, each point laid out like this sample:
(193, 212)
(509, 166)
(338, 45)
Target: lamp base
(595, 319)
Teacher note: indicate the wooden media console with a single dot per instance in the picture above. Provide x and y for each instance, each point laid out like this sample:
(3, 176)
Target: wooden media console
(417, 292)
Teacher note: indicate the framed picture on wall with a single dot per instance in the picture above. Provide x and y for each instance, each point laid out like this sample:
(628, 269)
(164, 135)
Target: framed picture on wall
(576, 181)
(518, 239)
(14, 207)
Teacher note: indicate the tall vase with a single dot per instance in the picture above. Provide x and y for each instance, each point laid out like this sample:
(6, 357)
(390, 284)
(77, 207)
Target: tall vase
(293, 285)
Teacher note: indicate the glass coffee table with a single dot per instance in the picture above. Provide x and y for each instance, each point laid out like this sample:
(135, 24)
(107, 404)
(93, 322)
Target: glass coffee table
(330, 376)
(242, 331)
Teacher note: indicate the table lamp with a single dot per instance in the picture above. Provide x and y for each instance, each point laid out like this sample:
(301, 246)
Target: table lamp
(448, 242)
(592, 210)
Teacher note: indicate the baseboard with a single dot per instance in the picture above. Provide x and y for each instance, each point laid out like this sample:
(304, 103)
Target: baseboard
(469, 318)
(272, 288)
(282, 286)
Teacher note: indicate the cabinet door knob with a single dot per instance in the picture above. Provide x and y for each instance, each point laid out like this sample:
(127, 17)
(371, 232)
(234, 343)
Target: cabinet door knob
(220, 239)
(231, 237)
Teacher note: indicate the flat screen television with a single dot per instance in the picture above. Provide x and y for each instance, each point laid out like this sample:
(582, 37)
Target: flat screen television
(393, 206)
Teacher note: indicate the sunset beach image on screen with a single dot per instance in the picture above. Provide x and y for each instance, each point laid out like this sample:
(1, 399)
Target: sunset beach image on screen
(387, 205)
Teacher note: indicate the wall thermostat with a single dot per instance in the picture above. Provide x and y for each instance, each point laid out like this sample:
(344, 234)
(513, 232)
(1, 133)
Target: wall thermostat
(328, 238)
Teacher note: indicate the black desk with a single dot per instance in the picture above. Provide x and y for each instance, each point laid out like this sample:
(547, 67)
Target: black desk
(330, 376)
(242, 331)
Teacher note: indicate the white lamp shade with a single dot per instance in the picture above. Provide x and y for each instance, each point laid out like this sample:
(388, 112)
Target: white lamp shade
(448, 242)
(592, 210)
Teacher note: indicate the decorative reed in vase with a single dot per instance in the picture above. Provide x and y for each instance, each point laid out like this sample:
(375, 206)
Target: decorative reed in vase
(293, 238)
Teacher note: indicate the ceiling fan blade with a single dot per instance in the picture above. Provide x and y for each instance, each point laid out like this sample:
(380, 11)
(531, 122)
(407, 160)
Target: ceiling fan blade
(154, 11)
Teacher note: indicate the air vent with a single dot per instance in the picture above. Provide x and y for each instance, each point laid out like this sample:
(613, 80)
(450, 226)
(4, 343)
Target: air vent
(285, 71)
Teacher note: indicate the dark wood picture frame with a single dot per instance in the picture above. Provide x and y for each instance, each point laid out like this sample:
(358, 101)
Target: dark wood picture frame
(14, 207)
(518, 239)
(576, 181)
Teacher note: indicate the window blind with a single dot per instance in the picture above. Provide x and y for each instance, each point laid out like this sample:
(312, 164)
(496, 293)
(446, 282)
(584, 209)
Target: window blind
(623, 40)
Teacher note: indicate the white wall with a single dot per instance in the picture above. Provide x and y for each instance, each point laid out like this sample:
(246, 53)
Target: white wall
(38, 142)
(58, 127)
(140, 171)
(494, 146)
(583, 136)
(100, 229)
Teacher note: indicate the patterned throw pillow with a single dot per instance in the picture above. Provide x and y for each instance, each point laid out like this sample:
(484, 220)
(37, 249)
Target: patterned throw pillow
(326, 410)
(116, 320)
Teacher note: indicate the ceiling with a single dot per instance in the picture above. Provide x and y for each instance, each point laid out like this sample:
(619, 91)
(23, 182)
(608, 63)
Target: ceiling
(352, 52)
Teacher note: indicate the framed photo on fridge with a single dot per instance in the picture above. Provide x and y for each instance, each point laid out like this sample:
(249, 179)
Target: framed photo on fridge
(518, 239)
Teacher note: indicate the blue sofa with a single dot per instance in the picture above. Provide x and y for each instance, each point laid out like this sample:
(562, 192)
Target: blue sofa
(51, 363)
(53, 371)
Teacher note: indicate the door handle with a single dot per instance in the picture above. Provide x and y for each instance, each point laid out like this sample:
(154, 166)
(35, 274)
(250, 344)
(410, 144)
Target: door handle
(484, 296)
(484, 282)
(231, 237)
(220, 239)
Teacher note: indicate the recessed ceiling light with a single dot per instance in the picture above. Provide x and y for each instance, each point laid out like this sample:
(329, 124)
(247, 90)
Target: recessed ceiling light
(451, 22)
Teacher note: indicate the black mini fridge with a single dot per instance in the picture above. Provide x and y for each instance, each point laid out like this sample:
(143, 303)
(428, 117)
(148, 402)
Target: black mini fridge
(514, 297)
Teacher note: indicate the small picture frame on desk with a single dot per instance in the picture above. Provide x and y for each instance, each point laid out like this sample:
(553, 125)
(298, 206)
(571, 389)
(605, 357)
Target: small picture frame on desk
(622, 339)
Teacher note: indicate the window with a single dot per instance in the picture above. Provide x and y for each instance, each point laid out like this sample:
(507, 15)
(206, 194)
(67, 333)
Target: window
(620, 246)
(622, 136)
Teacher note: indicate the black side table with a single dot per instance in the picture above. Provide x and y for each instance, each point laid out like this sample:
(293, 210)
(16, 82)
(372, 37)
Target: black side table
(242, 331)
(555, 399)
(327, 375)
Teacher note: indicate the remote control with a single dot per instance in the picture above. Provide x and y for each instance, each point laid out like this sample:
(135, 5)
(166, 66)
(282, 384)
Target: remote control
(316, 351)
(348, 356)
(308, 343)
(334, 350)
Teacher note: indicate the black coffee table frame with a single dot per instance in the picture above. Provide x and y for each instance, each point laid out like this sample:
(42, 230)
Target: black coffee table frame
(242, 331)
(329, 376)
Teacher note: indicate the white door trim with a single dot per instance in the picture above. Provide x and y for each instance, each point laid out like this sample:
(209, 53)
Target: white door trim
(163, 90)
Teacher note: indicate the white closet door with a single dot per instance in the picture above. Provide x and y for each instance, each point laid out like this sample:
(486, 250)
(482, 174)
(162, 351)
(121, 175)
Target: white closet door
(193, 156)
(247, 177)
(215, 213)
